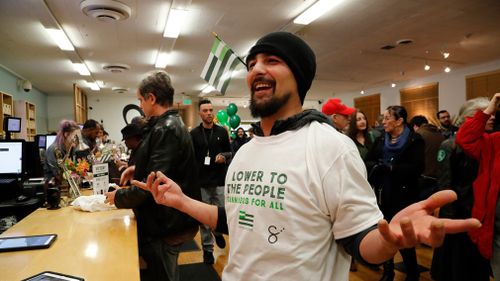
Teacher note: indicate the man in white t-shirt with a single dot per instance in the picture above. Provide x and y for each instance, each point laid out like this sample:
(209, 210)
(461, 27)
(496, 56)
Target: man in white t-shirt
(297, 202)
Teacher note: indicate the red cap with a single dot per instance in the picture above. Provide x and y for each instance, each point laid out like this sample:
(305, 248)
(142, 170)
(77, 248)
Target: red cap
(335, 106)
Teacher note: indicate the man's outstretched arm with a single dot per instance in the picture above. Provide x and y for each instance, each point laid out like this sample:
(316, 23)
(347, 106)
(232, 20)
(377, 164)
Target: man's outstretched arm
(412, 226)
(166, 192)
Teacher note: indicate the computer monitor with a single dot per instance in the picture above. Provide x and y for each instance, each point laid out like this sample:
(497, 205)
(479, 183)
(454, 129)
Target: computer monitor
(41, 141)
(11, 153)
(44, 141)
(12, 125)
(50, 140)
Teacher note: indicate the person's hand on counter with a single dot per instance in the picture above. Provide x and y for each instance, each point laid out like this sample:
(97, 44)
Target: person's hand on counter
(110, 197)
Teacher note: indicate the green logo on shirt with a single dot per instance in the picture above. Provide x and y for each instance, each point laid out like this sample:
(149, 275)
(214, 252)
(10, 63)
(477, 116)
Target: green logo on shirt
(441, 155)
(245, 220)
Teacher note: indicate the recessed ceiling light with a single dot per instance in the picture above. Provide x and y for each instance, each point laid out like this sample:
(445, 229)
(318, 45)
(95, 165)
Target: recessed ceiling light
(387, 47)
(105, 10)
(404, 41)
(427, 67)
(447, 69)
(116, 68)
(393, 85)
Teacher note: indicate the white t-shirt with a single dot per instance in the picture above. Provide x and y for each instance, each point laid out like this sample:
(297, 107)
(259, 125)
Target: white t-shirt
(288, 198)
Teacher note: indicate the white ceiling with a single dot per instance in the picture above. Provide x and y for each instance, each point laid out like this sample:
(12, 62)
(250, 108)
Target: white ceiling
(347, 40)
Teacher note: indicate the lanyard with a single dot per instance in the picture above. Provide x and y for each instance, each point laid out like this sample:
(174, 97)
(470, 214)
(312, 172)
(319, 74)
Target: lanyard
(207, 140)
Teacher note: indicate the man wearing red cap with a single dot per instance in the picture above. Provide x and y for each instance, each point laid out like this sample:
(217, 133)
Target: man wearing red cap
(340, 113)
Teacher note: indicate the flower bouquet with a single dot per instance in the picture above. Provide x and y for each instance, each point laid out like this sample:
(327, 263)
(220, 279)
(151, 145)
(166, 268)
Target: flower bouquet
(73, 173)
(78, 169)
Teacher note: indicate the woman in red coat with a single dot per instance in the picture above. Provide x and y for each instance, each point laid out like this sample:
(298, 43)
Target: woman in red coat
(485, 148)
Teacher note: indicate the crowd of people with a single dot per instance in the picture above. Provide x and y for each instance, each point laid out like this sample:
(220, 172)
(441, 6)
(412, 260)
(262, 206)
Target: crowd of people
(310, 190)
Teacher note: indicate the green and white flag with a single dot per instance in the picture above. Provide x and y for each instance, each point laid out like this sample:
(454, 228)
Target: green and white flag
(219, 66)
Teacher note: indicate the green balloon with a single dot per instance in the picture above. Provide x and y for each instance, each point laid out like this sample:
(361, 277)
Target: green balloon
(225, 124)
(232, 109)
(234, 121)
(233, 135)
(222, 116)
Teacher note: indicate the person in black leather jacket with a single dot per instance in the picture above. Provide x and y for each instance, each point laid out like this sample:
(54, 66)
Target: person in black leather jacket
(166, 147)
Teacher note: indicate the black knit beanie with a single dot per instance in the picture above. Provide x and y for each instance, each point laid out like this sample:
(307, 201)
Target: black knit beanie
(294, 51)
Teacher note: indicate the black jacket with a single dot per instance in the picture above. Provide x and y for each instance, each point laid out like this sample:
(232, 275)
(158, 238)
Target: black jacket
(166, 147)
(237, 143)
(457, 172)
(396, 186)
(215, 141)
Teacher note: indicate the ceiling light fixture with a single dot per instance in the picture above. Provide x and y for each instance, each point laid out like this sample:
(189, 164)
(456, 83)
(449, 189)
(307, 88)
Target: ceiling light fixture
(174, 23)
(55, 30)
(446, 55)
(362, 92)
(393, 85)
(208, 89)
(81, 69)
(161, 60)
(60, 39)
(427, 67)
(93, 86)
(447, 69)
(315, 11)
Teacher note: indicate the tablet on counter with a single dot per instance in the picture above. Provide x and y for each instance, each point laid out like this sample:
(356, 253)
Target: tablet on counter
(53, 276)
(20, 243)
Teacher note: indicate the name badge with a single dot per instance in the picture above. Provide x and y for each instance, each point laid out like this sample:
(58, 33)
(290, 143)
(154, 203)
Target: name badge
(207, 160)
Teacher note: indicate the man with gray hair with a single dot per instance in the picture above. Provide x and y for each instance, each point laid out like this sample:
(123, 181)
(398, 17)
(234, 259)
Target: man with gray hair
(166, 147)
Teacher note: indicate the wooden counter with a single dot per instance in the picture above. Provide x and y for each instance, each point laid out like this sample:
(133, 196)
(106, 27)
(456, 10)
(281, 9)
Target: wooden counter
(96, 246)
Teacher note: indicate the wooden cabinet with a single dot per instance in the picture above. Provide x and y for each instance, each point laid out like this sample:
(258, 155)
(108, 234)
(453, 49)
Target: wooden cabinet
(27, 112)
(6, 109)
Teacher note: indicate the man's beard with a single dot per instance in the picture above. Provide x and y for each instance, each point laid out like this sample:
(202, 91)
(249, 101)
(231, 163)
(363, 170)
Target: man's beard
(268, 107)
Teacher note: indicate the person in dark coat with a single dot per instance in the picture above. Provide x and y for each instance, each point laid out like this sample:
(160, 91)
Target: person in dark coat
(132, 136)
(241, 139)
(212, 152)
(395, 164)
(458, 259)
(433, 139)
